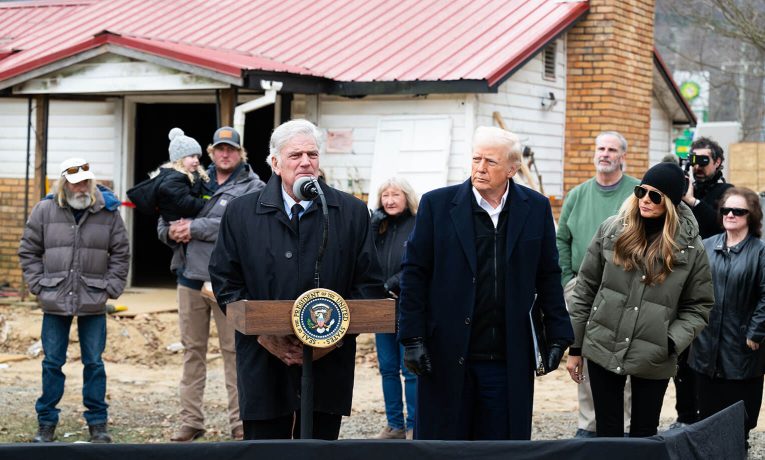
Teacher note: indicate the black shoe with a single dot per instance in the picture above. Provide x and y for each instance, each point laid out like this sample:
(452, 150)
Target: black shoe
(98, 434)
(45, 433)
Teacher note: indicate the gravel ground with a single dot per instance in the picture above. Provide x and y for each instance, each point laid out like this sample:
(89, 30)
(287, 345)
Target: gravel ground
(143, 395)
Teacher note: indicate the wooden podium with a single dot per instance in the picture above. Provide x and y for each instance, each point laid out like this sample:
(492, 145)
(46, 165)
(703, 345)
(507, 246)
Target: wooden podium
(272, 317)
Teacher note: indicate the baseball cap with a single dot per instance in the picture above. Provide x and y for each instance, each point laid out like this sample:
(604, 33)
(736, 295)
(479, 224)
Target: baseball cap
(76, 170)
(227, 135)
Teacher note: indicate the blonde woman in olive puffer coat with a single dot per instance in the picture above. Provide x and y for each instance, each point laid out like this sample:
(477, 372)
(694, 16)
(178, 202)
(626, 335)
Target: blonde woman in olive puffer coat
(644, 293)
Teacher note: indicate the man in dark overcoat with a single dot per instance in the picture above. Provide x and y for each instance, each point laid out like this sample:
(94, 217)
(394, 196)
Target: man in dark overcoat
(482, 254)
(262, 255)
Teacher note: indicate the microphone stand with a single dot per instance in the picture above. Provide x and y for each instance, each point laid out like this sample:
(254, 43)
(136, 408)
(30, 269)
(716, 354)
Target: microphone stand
(306, 381)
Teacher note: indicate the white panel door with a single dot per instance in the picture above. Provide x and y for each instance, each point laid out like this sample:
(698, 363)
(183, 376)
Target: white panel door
(413, 147)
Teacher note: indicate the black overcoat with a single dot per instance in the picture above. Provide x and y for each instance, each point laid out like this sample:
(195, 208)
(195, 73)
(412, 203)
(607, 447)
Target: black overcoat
(259, 256)
(438, 296)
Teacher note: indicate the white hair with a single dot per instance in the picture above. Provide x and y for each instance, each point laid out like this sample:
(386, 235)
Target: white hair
(491, 136)
(289, 130)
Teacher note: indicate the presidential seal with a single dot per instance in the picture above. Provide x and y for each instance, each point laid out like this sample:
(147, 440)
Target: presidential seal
(320, 318)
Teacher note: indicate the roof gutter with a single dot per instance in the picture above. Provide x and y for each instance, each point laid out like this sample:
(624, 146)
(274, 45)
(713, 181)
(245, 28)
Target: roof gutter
(271, 88)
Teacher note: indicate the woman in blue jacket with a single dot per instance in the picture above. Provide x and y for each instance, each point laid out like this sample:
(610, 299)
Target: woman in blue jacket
(392, 223)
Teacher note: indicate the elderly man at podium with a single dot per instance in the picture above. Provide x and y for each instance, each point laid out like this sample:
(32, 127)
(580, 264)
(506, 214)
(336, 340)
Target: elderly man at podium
(266, 250)
(481, 256)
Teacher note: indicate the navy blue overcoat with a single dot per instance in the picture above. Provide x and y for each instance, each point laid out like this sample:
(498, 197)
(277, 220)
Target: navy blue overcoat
(438, 295)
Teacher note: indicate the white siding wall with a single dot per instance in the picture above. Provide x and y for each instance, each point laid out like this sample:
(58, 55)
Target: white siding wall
(76, 129)
(518, 100)
(352, 171)
(543, 129)
(660, 143)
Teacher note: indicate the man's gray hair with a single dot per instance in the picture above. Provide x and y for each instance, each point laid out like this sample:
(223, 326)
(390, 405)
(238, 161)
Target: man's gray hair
(290, 129)
(491, 136)
(617, 135)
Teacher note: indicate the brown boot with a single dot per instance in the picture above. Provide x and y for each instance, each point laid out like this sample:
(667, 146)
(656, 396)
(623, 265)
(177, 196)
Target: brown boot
(186, 434)
(45, 433)
(237, 433)
(391, 433)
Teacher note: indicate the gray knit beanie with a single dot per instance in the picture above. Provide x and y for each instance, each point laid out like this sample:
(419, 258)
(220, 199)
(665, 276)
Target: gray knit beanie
(181, 145)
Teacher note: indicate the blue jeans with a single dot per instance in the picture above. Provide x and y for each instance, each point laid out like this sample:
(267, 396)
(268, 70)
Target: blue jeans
(55, 339)
(390, 356)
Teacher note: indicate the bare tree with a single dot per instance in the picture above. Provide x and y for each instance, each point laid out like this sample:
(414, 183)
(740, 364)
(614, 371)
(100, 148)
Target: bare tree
(726, 38)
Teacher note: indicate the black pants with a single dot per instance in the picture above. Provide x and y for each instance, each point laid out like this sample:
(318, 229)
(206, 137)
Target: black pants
(608, 398)
(715, 395)
(685, 391)
(325, 426)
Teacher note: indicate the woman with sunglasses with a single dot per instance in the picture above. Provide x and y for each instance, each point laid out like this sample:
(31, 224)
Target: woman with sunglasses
(727, 356)
(644, 293)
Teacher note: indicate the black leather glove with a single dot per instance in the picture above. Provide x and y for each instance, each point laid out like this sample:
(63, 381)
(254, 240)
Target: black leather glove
(392, 285)
(416, 357)
(554, 356)
(377, 216)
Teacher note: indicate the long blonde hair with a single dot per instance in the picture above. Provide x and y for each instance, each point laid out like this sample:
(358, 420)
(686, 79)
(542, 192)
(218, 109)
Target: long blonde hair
(178, 166)
(412, 202)
(633, 251)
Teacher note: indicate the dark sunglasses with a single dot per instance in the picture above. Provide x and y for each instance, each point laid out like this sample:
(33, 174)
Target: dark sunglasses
(74, 169)
(655, 196)
(700, 160)
(738, 212)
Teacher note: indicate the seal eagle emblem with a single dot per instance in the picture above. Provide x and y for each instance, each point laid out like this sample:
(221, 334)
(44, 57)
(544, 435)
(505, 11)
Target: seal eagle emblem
(320, 318)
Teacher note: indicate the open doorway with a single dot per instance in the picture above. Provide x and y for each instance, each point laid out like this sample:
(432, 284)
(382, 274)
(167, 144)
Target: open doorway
(151, 258)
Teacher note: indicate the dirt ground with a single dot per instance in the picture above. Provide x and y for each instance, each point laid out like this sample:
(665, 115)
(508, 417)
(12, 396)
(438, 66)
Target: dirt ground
(143, 365)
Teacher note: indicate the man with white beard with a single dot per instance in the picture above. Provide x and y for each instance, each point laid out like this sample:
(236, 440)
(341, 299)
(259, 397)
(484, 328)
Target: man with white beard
(585, 207)
(74, 254)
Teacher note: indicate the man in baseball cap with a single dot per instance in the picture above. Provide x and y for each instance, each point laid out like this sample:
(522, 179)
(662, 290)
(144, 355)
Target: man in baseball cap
(76, 170)
(227, 135)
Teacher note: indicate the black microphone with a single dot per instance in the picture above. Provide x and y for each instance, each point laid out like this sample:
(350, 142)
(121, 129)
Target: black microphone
(305, 188)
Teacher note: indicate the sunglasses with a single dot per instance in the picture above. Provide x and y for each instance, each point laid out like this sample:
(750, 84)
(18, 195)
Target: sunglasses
(700, 160)
(738, 212)
(74, 169)
(655, 196)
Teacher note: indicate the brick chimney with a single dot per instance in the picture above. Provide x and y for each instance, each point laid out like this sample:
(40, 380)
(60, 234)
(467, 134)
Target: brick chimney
(609, 84)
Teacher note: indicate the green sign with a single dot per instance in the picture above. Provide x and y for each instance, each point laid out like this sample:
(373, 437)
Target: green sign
(683, 144)
(690, 90)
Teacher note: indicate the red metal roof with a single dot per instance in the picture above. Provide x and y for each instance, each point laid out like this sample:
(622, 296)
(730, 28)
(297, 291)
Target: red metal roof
(341, 40)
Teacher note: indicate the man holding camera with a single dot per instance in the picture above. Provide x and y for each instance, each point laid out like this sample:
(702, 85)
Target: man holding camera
(703, 197)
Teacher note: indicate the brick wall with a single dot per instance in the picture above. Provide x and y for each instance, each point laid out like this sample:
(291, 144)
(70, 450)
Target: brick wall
(609, 84)
(12, 218)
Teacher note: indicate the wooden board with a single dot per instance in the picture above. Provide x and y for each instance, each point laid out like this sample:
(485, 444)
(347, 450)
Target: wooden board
(272, 317)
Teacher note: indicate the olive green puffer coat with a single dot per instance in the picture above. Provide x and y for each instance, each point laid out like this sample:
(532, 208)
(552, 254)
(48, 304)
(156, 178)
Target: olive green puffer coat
(624, 325)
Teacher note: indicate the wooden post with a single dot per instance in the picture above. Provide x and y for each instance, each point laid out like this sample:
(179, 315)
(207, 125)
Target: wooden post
(228, 99)
(41, 143)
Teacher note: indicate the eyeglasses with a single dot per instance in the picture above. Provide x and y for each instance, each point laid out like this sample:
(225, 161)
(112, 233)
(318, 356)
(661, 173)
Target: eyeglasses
(700, 160)
(738, 212)
(74, 169)
(655, 196)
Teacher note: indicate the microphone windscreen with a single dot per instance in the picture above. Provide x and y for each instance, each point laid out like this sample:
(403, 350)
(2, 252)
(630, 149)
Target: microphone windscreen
(301, 189)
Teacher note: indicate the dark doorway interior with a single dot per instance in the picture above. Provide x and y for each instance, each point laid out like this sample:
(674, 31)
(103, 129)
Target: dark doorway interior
(151, 258)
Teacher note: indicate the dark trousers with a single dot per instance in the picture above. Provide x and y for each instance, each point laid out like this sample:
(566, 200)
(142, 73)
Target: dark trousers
(484, 406)
(715, 395)
(608, 398)
(325, 426)
(685, 391)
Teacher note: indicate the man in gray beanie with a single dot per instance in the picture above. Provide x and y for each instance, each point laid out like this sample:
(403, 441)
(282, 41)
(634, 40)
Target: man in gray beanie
(192, 241)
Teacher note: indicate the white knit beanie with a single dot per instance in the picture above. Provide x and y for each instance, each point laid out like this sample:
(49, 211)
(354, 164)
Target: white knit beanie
(181, 145)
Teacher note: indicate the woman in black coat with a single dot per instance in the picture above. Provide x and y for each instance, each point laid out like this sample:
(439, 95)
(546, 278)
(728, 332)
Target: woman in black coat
(392, 223)
(727, 356)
